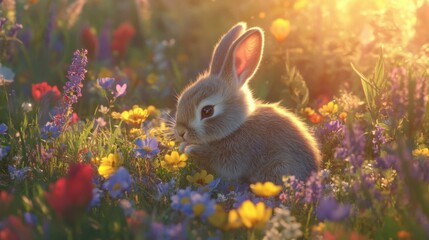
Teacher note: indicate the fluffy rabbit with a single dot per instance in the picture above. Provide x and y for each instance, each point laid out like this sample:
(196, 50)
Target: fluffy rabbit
(226, 131)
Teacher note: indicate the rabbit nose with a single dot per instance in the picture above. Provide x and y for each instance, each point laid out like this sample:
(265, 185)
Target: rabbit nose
(181, 134)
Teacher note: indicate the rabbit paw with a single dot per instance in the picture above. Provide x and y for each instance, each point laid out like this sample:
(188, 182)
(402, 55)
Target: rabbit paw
(187, 148)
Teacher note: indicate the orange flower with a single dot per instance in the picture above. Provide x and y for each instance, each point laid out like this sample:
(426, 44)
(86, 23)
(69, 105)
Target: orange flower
(342, 116)
(404, 234)
(280, 28)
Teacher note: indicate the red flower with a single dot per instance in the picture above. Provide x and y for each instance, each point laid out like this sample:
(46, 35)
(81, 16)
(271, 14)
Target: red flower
(5, 201)
(70, 195)
(121, 37)
(89, 40)
(13, 228)
(74, 118)
(38, 90)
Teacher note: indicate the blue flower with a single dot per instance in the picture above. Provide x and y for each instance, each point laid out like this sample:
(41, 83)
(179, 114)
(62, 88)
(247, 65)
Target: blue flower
(3, 151)
(96, 196)
(182, 199)
(105, 82)
(6, 75)
(329, 209)
(147, 147)
(17, 174)
(210, 186)
(3, 129)
(164, 188)
(118, 183)
(193, 204)
(201, 205)
(50, 131)
(30, 218)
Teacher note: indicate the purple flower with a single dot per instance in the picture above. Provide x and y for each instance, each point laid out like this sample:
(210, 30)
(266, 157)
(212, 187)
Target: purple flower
(30, 218)
(387, 161)
(73, 87)
(105, 82)
(3, 129)
(118, 183)
(352, 147)
(121, 90)
(329, 129)
(147, 147)
(50, 25)
(104, 40)
(329, 209)
(3, 20)
(17, 174)
(378, 138)
(14, 30)
(50, 131)
(313, 188)
(3, 151)
(160, 231)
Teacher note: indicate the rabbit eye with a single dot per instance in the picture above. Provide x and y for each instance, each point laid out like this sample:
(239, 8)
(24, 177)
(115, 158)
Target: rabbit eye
(207, 111)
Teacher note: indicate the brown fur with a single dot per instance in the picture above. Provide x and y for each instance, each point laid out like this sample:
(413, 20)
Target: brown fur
(244, 139)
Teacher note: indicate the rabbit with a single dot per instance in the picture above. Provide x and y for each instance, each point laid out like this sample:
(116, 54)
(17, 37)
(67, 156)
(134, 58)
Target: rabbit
(225, 130)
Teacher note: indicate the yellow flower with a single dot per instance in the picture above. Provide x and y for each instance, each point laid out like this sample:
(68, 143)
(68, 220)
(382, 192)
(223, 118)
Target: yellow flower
(328, 109)
(280, 28)
(174, 161)
(152, 78)
(266, 189)
(309, 111)
(110, 164)
(300, 4)
(254, 216)
(136, 132)
(422, 152)
(200, 178)
(134, 116)
(105, 72)
(219, 217)
(234, 220)
(152, 111)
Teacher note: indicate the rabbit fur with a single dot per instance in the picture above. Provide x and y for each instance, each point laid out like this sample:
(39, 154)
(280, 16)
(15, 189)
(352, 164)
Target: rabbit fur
(241, 138)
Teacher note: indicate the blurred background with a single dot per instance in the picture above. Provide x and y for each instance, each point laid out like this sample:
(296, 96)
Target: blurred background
(158, 46)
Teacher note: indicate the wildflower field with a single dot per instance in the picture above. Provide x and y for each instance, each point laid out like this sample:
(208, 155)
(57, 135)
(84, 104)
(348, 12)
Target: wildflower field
(88, 92)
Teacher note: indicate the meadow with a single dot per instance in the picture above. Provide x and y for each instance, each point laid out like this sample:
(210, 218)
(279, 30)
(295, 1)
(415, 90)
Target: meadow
(88, 97)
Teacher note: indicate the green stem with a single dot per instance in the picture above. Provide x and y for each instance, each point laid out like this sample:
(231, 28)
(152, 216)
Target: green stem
(307, 223)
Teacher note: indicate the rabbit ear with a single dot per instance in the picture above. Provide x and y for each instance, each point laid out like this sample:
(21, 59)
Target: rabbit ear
(244, 56)
(221, 49)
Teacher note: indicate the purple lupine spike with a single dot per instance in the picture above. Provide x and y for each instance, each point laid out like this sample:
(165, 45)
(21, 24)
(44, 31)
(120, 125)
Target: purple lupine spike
(352, 147)
(3, 20)
(14, 29)
(72, 88)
